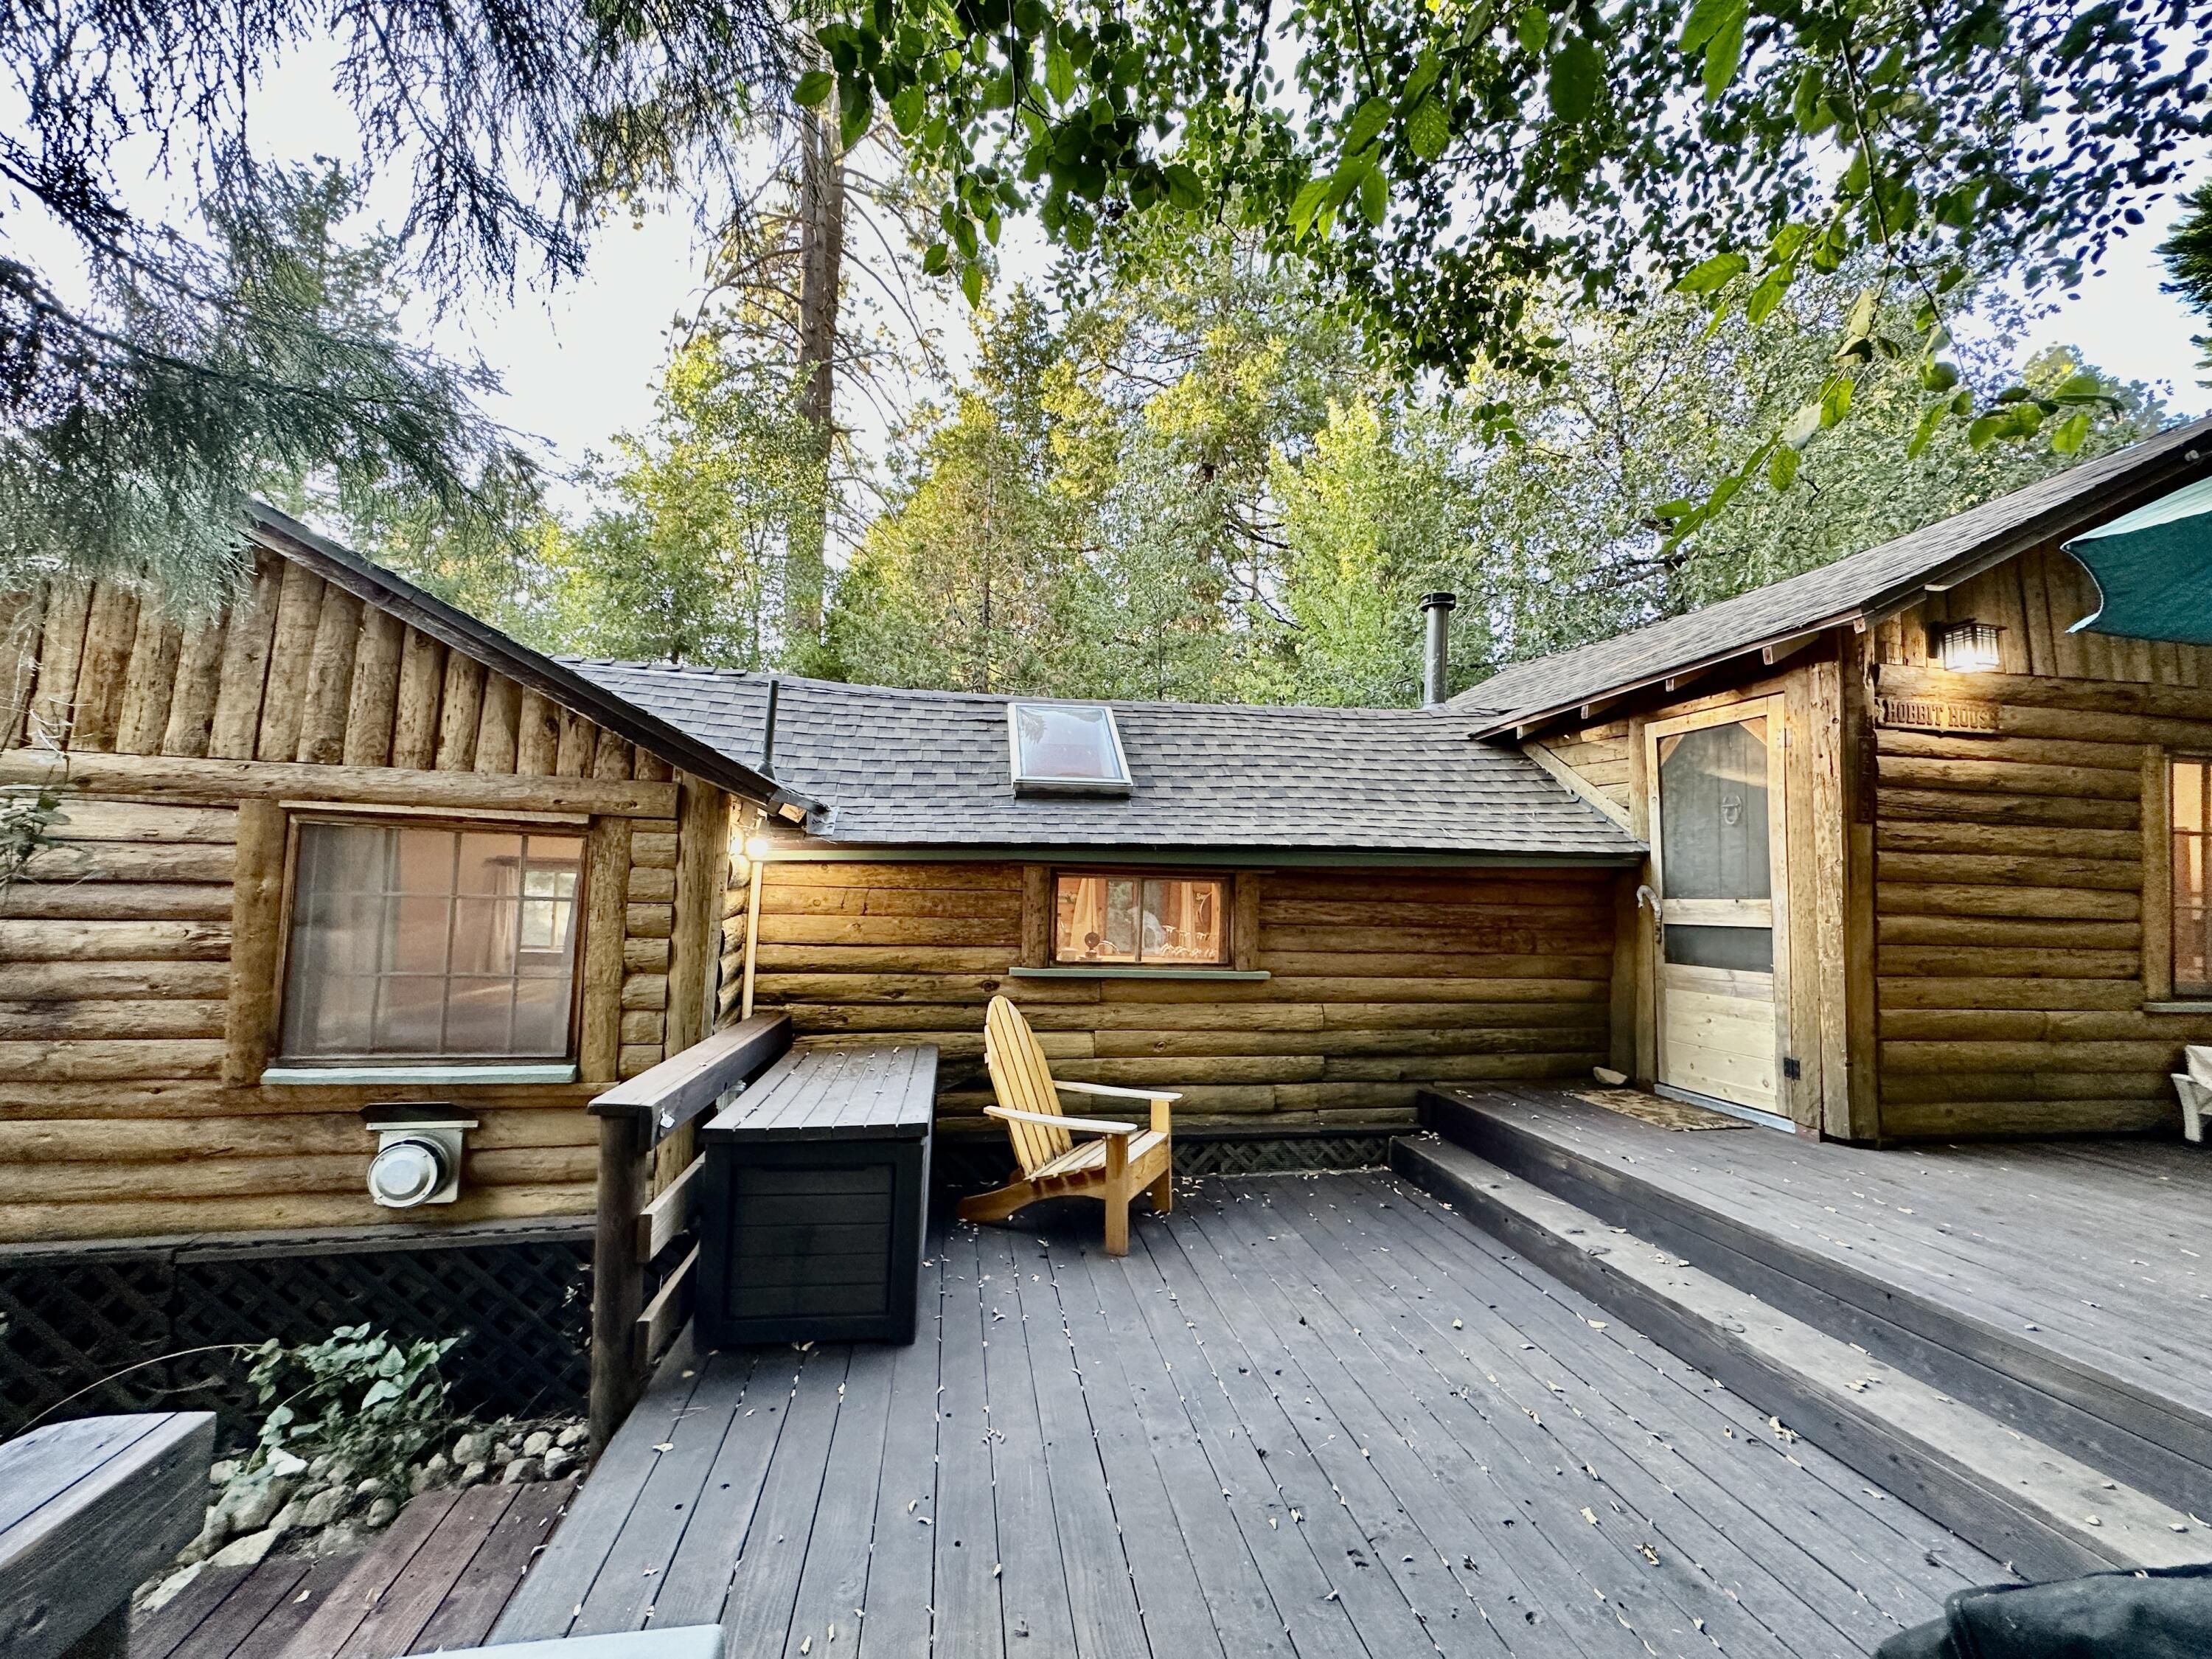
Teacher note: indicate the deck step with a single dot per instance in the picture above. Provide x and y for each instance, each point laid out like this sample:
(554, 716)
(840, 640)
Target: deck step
(2161, 1445)
(2023, 1501)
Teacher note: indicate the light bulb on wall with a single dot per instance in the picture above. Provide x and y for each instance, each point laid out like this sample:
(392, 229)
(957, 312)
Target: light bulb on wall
(1968, 648)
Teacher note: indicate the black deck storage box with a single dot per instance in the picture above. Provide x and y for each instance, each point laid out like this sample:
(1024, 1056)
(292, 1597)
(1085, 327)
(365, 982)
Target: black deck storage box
(818, 1182)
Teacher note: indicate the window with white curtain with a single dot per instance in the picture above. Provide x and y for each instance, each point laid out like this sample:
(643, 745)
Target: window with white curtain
(409, 942)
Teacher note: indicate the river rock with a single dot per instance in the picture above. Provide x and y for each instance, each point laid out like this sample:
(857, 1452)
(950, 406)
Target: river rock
(247, 1551)
(250, 1506)
(325, 1506)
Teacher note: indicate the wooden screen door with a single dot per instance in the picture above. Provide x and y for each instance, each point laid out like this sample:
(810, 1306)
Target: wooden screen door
(1718, 849)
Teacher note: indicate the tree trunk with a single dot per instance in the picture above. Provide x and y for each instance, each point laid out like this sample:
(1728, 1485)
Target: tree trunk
(822, 251)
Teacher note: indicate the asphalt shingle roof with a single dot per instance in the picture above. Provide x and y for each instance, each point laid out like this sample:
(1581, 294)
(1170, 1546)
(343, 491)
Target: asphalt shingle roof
(899, 767)
(2053, 506)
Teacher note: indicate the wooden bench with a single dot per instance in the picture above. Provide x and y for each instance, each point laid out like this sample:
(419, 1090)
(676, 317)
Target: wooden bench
(818, 1180)
(89, 1511)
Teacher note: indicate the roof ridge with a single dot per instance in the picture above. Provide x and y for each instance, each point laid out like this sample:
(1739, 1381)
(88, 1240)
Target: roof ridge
(862, 688)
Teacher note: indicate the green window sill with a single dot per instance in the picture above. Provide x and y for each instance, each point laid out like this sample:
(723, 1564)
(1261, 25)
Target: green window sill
(2179, 1006)
(1246, 975)
(376, 1076)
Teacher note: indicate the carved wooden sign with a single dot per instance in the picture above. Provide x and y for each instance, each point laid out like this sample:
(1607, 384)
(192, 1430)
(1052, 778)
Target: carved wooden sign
(1938, 714)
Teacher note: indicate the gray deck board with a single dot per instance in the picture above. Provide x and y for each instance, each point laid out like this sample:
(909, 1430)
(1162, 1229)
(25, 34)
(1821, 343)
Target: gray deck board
(1740, 1465)
(1196, 1583)
(557, 1582)
(1034, 1594)
(1259, 1433)
(1450, 1565)
(901, 1550)
(1712, 1520)
(967, 1616)
(628, 1580)
(1101, 1579)
(2032, 1234)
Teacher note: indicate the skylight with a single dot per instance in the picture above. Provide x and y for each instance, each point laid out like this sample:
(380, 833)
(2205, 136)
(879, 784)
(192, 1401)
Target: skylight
(1066, 748)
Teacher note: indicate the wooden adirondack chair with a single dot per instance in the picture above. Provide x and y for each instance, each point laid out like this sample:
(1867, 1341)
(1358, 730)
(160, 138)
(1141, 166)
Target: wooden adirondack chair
(1123, 1161)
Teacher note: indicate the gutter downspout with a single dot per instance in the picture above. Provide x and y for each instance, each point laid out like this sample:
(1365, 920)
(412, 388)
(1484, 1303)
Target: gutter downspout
(753, 925)
(753, 852)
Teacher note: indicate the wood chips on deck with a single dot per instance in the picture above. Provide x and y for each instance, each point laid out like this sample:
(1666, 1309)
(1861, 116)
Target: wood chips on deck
(1304, 1416)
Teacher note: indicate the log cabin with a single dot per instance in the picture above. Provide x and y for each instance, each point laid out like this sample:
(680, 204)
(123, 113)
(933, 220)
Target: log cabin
(335, 862)
(1302, 915)
(1899, 848)
(1926, 835)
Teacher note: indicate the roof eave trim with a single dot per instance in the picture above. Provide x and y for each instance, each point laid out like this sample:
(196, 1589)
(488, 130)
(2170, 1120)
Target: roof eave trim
(1522, 723)
(2153, 475)
(820, 851)
(535, 672)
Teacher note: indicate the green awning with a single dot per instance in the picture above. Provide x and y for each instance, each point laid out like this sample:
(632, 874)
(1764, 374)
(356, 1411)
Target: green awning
(2153, 569)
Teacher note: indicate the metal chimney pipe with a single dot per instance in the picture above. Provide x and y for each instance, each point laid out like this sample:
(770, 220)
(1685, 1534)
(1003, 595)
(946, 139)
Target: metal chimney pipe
(767, 768)
(1436, 667)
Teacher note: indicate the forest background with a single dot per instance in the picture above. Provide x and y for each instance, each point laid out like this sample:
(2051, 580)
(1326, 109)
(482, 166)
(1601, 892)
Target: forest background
(1191, 480)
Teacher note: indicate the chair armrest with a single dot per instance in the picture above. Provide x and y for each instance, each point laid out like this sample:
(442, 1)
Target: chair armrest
(1111, 1093)
(1086, 1125)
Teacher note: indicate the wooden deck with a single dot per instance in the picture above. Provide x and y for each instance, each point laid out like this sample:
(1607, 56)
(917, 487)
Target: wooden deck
(2080, 1269)
(435, 1580)
(1304, 1416)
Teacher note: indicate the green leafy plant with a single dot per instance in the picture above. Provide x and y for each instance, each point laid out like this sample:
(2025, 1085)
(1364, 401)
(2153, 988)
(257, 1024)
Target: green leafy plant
(370, 1401)
(1444, 164)
(28, 812)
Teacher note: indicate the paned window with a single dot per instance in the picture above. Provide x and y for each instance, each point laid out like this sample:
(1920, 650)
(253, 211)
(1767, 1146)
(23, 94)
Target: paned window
(1133, 919)
(413, 943)
(2190, 783)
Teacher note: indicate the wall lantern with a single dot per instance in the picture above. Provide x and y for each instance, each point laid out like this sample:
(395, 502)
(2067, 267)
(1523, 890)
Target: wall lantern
(1968, 648)
(418, 1153)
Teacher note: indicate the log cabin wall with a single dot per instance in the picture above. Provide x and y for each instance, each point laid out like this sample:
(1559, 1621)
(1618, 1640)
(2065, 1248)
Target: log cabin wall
(1381, 980)
(2016, 870)
(138, 957)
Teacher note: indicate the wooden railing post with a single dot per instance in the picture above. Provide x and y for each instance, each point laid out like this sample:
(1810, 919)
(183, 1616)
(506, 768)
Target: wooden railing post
(617, 1271)
(635, 1230)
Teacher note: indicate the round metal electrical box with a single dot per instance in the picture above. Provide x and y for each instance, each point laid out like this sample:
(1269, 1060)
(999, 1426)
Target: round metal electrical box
(407, 1170)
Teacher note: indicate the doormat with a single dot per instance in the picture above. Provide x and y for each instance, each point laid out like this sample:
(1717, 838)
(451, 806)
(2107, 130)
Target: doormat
(1662, 1114)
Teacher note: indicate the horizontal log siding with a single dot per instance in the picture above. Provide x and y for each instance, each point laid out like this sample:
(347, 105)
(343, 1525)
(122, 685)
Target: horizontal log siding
(2009, 870)
(115, 946)
(1381, 981)
(113, 1120)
